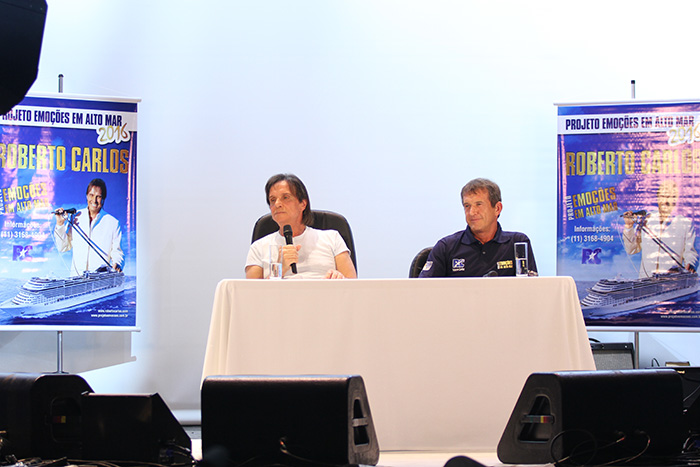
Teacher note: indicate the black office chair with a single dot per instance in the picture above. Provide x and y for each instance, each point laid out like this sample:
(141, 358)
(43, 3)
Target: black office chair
(419, 261)
(322, 220)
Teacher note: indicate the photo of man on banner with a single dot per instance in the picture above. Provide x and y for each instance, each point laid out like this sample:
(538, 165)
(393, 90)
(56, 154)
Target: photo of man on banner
(666, 242)
(96, 245)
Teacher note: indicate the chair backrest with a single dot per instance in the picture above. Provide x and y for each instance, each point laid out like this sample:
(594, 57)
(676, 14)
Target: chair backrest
(419, 261)
(322, 220)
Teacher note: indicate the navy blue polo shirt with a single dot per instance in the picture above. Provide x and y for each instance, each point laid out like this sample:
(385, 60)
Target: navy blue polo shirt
(462, 255)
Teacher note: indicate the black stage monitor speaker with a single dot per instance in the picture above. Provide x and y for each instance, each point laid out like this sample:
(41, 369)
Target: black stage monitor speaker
(593, 417)
(41, 414)
(135, 427)
(288, 419)
(690, 376)
(463, 461)
(613, 356)
(21, 32)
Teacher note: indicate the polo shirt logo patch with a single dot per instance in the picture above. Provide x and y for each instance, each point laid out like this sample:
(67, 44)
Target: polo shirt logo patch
(427, 265)
(507, 264)
(458, 264)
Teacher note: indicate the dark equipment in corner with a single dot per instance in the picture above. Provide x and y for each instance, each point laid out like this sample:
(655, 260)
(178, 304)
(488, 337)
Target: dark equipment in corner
(41, 414)
(595, 417)
(21, 33)
(57, 415)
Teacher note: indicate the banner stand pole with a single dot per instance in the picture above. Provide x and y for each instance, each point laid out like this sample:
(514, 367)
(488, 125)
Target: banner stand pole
(59, 363)
(636, 349)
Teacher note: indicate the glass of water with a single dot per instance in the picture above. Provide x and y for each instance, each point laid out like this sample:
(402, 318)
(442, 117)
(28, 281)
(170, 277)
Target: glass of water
(521, 259)
(275, 264)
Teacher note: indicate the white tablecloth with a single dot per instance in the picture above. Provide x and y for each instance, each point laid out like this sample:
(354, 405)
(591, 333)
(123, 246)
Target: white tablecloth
(443, 360)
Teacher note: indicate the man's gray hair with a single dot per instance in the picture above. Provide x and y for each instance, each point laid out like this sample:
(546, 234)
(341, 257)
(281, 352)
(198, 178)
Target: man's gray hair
(478, 184)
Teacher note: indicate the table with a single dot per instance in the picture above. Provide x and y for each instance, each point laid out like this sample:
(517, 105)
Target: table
(443, 360)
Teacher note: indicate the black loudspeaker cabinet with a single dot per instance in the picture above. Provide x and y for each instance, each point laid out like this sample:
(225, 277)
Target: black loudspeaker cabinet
(41, 414)
(21, 33)
(690, 376)
(593, 417)
(318, 419)
(132, 427)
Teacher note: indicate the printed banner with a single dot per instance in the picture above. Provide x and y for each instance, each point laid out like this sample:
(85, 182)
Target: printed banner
(628, 191)
(68, 212)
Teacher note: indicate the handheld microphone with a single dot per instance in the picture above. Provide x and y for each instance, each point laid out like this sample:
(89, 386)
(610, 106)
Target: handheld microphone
(288, 237)
(67, 211)
(641, 212)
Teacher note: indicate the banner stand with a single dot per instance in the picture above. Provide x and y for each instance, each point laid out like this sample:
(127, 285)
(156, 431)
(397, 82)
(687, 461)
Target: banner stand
(59, 330)
(628, 212)
(59, 353)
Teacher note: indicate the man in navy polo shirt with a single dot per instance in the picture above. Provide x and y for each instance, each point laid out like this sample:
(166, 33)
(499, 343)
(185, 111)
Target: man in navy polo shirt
(483, 249)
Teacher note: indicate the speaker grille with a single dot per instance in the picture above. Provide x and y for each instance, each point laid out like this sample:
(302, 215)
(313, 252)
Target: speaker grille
(615, 356)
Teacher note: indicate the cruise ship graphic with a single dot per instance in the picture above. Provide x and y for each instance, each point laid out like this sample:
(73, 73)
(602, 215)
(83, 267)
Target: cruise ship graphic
(42, 295)
(610, 296)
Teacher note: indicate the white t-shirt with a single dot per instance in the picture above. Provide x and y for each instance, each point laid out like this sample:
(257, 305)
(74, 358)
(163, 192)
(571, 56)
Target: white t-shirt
(316, 255)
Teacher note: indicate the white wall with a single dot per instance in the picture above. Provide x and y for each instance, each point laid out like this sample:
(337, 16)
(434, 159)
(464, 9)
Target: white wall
(384, 108)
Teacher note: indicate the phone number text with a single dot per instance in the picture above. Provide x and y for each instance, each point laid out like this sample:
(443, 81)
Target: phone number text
(23, 234)
(591, 238)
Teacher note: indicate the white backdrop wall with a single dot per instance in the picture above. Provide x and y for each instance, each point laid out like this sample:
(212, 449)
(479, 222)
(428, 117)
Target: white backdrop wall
(384, 108)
